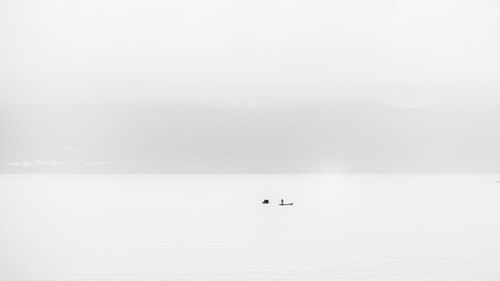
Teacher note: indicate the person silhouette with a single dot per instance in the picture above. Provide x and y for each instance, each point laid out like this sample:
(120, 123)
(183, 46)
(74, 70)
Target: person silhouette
(282, 201)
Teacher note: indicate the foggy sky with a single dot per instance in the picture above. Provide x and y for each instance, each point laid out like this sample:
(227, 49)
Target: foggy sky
(399, 52)
(249, 86)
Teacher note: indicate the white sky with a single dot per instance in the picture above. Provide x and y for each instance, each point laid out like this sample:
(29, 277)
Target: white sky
(258, 52)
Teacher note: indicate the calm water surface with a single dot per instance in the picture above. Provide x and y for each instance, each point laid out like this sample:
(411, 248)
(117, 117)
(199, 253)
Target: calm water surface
(213, 227)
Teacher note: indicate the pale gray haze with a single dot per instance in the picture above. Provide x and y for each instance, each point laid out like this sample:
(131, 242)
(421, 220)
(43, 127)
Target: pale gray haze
(249, 86)
(258, 140)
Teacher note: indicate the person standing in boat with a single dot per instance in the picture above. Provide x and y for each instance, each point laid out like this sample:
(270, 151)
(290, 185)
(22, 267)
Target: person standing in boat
(282, 201)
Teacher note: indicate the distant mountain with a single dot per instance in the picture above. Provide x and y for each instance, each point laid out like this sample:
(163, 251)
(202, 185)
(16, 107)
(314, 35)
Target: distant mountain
(329, 137)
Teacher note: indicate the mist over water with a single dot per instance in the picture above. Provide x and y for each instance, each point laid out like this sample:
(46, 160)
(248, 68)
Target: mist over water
(137, 91)
(214, 227)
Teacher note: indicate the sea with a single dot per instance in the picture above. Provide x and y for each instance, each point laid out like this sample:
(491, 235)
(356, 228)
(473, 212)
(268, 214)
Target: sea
(214, 227)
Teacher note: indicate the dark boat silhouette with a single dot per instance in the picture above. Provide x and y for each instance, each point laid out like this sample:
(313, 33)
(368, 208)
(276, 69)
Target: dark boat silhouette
(285, 204)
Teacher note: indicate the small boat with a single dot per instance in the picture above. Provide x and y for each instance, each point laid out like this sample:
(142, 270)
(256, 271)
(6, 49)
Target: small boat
(286, 204)
(266, 201)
